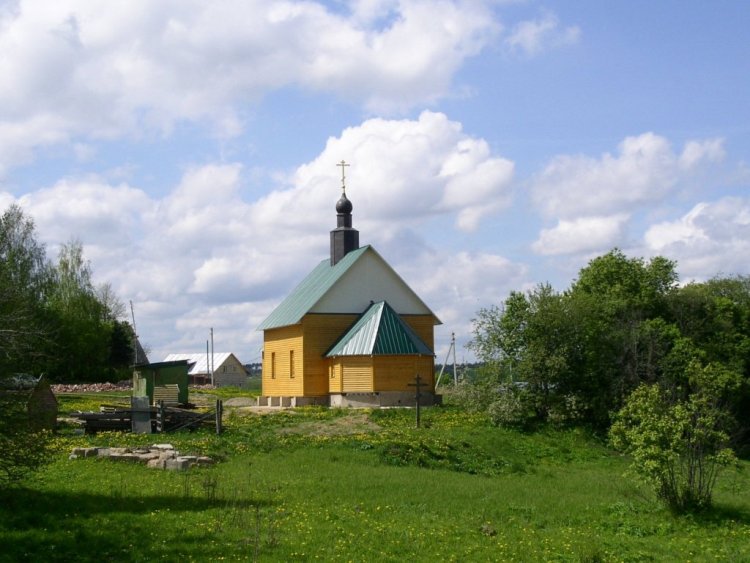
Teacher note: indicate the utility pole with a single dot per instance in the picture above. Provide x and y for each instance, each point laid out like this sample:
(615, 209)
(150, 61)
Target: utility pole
(452, 348)
(212, 356)
(135, 336)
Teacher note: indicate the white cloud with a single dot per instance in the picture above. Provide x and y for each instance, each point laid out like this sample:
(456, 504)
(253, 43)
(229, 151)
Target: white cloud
(203, 255)
(571, 186)
(533, 36)
(582, 192)
(455, 286)
(102, 215)
(696, 152)
(401, 169)
(712, 238)
(76, 68)
(581, 235)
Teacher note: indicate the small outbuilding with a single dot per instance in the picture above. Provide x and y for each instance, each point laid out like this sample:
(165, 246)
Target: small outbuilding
(36, 397)
(162, 380)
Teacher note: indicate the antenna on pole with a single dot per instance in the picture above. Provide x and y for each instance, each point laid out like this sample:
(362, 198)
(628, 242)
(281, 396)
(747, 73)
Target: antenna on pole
(135, 336)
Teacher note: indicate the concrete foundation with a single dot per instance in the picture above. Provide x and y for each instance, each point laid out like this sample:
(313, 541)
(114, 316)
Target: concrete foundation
(265, 401)
(383, 399)
(355, 400)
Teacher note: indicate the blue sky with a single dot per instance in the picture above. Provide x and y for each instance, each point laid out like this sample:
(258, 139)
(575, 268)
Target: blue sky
(192, 146)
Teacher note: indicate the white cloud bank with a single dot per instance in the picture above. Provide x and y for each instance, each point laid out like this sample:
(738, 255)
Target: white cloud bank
(712, 238)
(594, 199)
(204, 256)
(105, 69)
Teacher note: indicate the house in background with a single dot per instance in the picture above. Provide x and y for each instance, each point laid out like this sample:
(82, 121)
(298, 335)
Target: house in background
(352, 333)
(228, 370)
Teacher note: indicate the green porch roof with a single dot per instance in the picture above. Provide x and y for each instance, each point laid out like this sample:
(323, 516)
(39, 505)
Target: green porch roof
(310, 290)
(379, 331)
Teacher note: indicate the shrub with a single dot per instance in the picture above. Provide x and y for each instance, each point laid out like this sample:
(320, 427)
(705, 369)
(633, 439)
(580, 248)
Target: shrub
(679, 444)
(510, 408)
(22, 449)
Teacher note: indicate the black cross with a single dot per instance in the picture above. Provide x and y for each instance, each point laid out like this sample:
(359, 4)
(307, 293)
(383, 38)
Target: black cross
(343, 165)
(418, 384)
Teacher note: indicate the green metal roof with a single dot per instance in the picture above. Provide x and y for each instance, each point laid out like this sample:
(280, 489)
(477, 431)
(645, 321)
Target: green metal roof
(291, 310)
(379, 331)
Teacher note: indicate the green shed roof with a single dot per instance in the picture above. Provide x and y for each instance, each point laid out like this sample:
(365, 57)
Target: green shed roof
(379, 331)
(291, 310)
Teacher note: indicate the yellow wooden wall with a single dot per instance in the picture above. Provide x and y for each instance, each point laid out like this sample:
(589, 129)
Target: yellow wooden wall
(315, 375)
(277, 345)
(320, 332)
(335, 382)
(356, 374)
(424, 326)
(395, 373)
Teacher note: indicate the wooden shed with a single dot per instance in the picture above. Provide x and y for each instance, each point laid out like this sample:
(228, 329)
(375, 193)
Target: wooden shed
(162, 380)
(35, 397)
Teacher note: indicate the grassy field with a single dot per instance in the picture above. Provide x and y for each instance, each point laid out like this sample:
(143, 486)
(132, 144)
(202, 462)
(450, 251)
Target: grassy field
(339, 485)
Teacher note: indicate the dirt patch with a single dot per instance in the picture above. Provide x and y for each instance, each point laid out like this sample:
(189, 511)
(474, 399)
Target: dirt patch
(241, 402)
(355, 423)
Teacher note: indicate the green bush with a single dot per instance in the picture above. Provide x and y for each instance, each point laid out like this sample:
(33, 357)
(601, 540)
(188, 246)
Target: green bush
(511, 408)
(22, 449)
(679, 444)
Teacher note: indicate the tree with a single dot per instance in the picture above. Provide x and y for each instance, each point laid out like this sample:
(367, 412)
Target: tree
(534, 339)
(622, 323)
(113, 309)
(25, 339)
(715, 316)
(84, 336)
(25, 280)
(679, 445)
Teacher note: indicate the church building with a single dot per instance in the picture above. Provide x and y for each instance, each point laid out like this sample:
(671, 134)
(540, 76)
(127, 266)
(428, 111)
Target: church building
(352, 333)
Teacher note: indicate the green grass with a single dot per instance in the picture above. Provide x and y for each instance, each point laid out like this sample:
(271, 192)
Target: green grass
(339, 485)
(252, 390)
(84, 402)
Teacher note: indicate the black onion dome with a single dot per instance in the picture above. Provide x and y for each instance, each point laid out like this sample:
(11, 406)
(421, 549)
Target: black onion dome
(343, 205)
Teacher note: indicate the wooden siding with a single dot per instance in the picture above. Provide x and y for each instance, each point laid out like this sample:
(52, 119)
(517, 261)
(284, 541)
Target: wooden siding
(334, 377)
(313, 373)
(357, 374)
(395, 373)
(320, 332)
(277, 345)
(424, 326)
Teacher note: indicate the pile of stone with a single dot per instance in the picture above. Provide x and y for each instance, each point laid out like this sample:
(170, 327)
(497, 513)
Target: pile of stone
(91, 387)
(158, 456)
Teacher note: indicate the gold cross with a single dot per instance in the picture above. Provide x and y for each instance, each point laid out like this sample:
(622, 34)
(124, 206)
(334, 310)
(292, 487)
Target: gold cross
(343, 164)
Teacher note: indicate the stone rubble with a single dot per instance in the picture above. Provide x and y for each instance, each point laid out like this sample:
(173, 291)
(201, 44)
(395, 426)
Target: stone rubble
(100, 387)
(158, 456)
(91, 387)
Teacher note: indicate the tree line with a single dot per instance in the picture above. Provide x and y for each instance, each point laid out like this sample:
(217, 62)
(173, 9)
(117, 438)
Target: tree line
(53, 319)
(663, 368)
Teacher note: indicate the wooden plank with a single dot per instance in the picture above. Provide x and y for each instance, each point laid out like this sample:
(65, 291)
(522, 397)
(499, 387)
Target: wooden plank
(169, 393)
